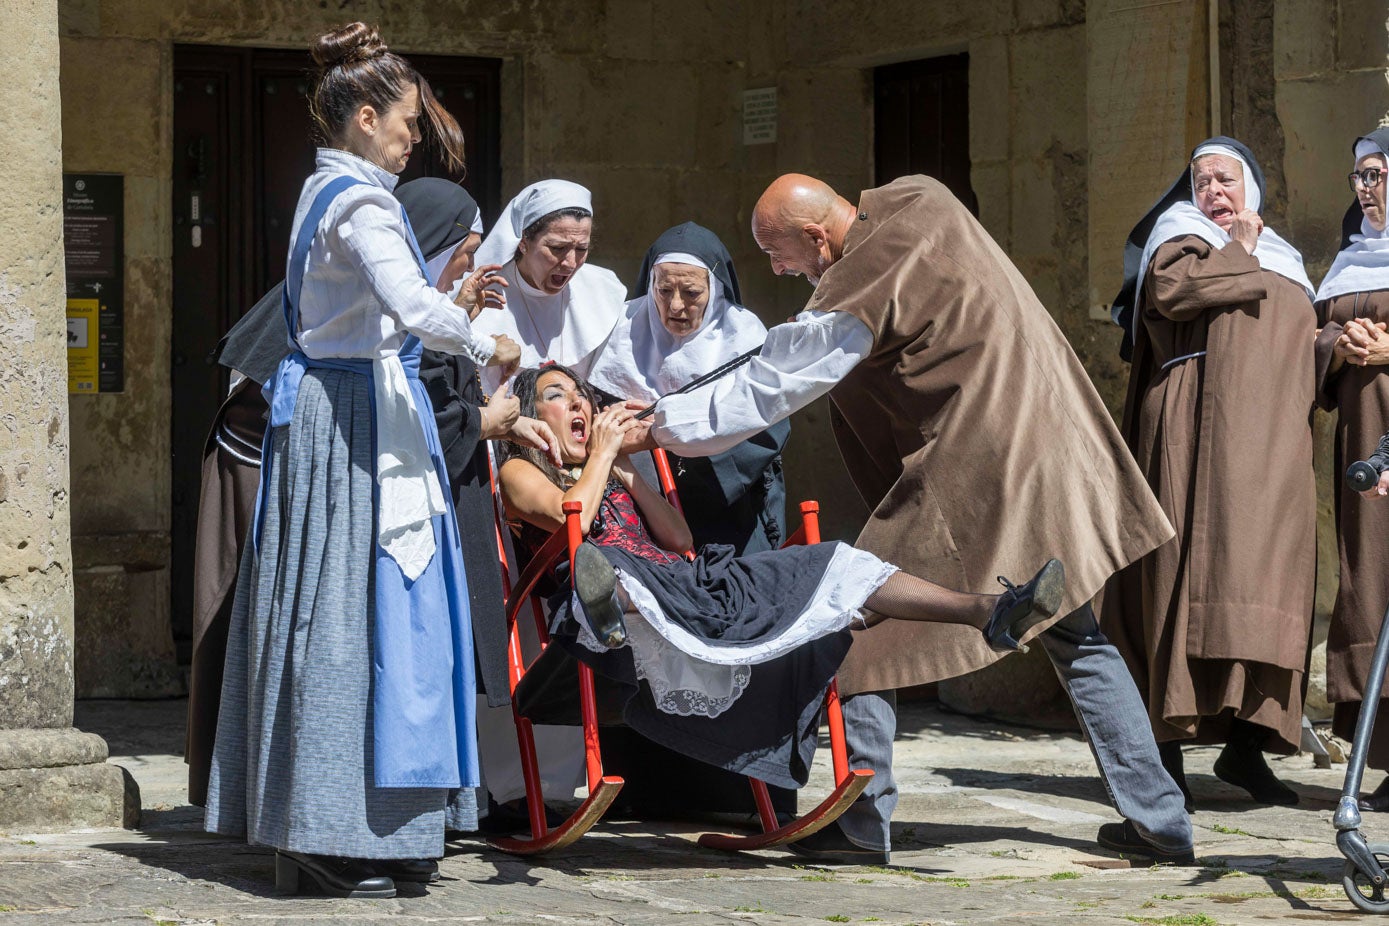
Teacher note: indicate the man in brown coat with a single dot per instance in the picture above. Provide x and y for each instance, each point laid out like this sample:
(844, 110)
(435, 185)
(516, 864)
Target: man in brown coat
(982, 449)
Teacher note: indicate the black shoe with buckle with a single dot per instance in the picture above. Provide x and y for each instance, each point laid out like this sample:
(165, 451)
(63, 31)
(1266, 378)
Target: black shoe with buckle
(1021, 607)
(336, 877)
(1125, 839)
(414, 870)
(596, 584)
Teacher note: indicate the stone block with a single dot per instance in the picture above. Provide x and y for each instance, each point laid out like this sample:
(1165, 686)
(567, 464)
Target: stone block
(1048, 83)
(36, 648)
(824, 123)
(50, 748)
(79, 17)
(629, 29)
(888, 30)
(656, 127)
(57, 799)
(1304, 38)
(990, 100)
(106, 76)
(1020, 689)
(1043, 14)
(993, 185)
(1362, 35)
(124, 645)
(719, 140)
(1320, 119)
(701, 30)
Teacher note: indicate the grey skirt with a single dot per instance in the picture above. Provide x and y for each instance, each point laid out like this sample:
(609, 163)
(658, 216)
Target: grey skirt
(292, 767)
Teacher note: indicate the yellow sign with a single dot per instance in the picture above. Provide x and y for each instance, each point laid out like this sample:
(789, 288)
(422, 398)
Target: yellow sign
(83, 364)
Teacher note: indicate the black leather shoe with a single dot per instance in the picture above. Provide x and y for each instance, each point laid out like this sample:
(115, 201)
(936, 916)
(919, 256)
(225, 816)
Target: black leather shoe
(596, 584)
(336, 877)
(1124, 838)
(831, 845)
(1021, 607)
(414, 870)
(1378, 801)
(513, 817)
(1247, 769)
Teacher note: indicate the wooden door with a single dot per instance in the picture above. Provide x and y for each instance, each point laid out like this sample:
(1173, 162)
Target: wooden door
(242, 150)
(921, 123)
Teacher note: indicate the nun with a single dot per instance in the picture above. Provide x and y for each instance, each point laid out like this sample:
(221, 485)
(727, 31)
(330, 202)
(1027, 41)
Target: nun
(1352, 357)
(1218, 321)
(559, 307)
(686, 318)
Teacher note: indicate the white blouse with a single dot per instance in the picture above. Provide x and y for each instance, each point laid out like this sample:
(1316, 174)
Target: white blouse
(363, 238)
(801, 360)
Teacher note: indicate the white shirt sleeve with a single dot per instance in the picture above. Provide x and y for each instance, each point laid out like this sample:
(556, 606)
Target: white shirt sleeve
(800, 361)
(373, 238)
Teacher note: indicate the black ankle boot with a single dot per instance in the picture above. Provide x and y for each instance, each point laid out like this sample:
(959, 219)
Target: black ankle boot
(1242, 764)
(1171, 755)
(414, 870)
(336, 877)
(1020, 607)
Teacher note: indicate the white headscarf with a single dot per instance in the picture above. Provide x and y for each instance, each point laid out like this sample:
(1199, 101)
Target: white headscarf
(643, 360)
(1364, 265)
(567, 327)
(1185, 218)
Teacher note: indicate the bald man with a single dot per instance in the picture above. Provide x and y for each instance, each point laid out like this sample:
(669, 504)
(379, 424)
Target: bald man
(981, 447)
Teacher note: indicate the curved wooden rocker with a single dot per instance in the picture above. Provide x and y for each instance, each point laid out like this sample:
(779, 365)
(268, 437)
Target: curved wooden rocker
(603, 789)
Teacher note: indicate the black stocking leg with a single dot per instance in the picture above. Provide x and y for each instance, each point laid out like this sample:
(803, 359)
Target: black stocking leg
(907, 598)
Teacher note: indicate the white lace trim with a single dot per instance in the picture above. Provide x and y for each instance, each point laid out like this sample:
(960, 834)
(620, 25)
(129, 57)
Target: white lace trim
(690, 676)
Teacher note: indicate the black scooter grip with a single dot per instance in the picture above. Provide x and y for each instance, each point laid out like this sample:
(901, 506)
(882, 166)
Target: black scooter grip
(1364, 474)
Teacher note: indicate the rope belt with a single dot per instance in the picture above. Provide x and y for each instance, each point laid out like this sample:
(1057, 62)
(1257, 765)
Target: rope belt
(1182, 359)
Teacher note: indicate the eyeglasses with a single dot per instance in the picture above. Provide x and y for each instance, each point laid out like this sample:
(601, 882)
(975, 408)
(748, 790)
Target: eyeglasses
(1368, 178)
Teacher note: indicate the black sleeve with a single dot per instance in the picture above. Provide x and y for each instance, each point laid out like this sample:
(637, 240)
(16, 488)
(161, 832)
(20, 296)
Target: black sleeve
(445, 378)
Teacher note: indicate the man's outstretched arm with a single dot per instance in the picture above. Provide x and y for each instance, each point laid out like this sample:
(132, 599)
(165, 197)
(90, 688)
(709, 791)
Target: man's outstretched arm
(800, 361)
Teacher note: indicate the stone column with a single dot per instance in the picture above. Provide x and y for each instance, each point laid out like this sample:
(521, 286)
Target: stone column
(52, 777)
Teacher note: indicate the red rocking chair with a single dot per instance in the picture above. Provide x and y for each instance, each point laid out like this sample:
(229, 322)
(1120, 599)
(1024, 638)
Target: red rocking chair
(603, 789)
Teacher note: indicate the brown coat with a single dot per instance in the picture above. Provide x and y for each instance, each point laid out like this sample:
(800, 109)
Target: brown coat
(225, 511)
(1217, 622)
(1361, 397)
(971, 430)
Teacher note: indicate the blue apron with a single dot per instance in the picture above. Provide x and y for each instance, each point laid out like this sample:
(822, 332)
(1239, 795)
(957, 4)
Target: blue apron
(423, 687)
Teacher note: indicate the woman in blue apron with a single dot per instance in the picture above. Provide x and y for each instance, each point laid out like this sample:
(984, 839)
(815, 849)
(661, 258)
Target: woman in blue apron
(346, 737)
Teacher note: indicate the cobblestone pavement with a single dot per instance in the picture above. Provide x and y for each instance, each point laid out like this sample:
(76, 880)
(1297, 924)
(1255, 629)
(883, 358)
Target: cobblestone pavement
(996, 825)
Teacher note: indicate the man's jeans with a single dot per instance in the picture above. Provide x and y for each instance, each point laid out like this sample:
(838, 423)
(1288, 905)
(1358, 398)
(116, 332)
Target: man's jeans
(1112, 718)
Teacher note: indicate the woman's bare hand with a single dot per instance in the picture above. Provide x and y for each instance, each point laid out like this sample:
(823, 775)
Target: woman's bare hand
(608, 430)
(532, 432)
(1245, 229)
(1379, 489)
(499, 415)
(1363, 343)
(507, 355)
(479, 290)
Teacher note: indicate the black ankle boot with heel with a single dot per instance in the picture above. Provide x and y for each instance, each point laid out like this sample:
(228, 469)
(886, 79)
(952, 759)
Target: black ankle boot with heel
(336, 877)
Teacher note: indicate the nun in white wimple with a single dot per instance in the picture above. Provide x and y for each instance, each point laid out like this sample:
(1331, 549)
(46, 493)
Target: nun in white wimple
(1215, 622)
(559, 307)
(1352, 354)
(684, 320)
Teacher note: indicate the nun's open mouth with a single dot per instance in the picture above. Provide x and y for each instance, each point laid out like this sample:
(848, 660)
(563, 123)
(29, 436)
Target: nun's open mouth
(578, 429)
(1219, 212)
(557, 280)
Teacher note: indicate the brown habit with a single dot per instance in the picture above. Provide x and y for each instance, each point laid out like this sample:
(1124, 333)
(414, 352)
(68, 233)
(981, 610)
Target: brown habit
(1361, 397)
(971, 430)
(1217, 621)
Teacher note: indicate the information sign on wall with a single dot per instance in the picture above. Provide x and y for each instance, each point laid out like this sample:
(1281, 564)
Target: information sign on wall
(759, 116)
(93, 248)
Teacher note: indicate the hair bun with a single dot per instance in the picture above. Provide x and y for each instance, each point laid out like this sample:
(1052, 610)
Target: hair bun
(346, 45)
